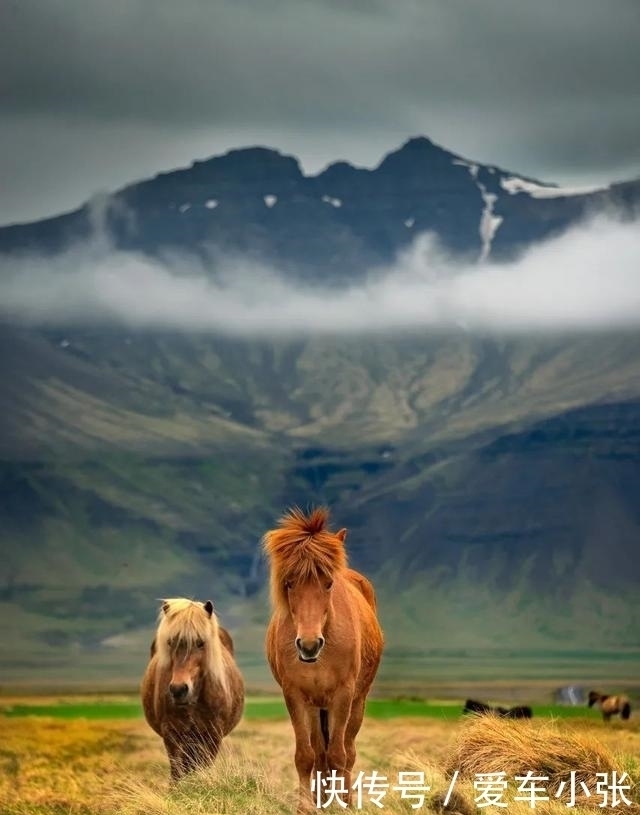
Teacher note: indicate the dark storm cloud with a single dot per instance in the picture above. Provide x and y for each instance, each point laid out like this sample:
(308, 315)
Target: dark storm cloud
(546, 88)
(224, 62)
(239, 61)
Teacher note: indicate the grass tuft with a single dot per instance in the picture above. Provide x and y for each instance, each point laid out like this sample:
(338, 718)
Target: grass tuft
(234, 784)
(489, 744)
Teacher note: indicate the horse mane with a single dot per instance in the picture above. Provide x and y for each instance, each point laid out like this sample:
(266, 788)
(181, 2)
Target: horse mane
(188, 621)
(301, 548)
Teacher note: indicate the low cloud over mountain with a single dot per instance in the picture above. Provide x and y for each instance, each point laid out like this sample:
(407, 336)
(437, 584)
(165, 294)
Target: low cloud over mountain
(584, 279)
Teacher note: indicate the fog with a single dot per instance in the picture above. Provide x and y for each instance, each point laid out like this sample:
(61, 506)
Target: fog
(588, 278)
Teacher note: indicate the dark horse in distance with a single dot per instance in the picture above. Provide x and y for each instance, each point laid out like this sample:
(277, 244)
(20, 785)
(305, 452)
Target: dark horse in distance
(610, 705)
(480, 708)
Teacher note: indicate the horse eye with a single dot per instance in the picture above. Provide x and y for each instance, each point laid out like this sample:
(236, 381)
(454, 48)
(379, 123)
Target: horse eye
(199, 643)
(329, 583)
(288, 585)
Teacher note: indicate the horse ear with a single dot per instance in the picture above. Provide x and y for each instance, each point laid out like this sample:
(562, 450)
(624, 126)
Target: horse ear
(208, 607)
(341, 535)
(165, 607)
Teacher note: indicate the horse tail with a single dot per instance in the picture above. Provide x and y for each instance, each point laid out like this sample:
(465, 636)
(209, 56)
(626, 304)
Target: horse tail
(626, 711)
(324, 726)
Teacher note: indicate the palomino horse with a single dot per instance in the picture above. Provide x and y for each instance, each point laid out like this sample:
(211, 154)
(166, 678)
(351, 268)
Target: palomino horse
(323, 644)
(610, 705)
(192, 691)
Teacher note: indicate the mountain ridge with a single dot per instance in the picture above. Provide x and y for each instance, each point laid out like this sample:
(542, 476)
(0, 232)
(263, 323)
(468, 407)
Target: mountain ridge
(232, 201)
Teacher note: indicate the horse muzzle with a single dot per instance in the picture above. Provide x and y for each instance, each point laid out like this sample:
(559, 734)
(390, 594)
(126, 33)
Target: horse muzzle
(179, 693)
(308, 650)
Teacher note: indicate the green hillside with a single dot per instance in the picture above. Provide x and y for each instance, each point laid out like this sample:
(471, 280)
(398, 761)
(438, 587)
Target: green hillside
(490, 488)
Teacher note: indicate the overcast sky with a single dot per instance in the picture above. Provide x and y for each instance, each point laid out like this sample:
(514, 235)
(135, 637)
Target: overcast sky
(97, 94)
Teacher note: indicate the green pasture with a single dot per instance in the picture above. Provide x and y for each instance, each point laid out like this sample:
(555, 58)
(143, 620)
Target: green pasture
(272, 709)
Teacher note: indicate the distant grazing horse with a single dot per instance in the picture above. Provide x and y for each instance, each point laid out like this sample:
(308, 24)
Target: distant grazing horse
(610, 705)
(323, 644)
(473, 706)
(517, 712)
(192, 691)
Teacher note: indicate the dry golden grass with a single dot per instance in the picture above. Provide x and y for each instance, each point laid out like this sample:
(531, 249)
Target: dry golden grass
(551, 750)
(79, 767)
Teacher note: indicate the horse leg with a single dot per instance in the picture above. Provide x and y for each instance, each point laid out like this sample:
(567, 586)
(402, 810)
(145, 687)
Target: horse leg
(320, 749)
(201, 749)
(336, 753)
(209, 750)
(195, 754)
(353, 728)
(175, 755)
(304, 755)
(188, 752)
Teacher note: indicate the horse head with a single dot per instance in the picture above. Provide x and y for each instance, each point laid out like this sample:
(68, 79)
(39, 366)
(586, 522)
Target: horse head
(305, 558)
(594, 697)
(184, 646)
(309, 603)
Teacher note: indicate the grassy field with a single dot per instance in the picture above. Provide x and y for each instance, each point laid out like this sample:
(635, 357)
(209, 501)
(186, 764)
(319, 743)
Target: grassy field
(97, 756)
(260, 709)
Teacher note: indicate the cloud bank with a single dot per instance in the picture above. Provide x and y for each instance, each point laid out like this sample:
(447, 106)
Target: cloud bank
(586, 279)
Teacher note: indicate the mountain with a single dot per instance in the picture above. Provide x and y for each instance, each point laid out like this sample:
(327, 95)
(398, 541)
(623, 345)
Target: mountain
(333, 226)
(490, 484)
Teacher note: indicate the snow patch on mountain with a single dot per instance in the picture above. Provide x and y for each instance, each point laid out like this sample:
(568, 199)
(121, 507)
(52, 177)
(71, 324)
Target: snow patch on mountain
(513, 185)
(489, 222)
(473, 168)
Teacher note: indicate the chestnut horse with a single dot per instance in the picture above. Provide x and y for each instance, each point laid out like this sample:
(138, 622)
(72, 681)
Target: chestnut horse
(610, 705)
(192, 690)
(323, 644)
